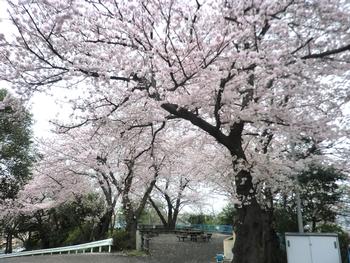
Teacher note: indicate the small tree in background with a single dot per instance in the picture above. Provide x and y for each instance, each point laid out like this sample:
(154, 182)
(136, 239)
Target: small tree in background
(16, 155)
(321, 194)
(228, 215)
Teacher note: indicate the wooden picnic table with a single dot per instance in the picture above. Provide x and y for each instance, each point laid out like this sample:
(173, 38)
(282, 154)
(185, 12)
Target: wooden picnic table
(194, 235)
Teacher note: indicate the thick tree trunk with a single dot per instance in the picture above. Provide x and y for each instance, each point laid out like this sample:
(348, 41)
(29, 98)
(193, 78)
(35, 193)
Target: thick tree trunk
(8, 248)
(256, 240)
(159, 213)
(314, 224)
(103, 225)
(172, 224)
(173, 216)
(131, 227)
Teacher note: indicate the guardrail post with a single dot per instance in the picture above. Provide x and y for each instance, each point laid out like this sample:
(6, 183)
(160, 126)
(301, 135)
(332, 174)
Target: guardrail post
(91, 250)
(109, 249)
(100, 249)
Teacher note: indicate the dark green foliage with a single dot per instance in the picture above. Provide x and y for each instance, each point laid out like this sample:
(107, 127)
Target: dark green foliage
(80, 234)
(69, 224)
(121, 240)
(227, 216)
(320, 192)
(201, 219)
(16, 155)
(285, 221)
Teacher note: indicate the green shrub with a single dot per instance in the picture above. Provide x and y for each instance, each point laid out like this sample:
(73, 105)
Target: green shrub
(120, 240)
(78, 235)
(33, 242)
(74, 237)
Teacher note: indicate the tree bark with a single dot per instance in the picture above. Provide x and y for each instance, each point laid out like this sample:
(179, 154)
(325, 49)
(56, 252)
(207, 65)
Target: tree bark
(42, 231)
(256, 240)
(103, 225)
(159, 213)
(314, 224)
(170, 222)
(131, 228)
(8, 248)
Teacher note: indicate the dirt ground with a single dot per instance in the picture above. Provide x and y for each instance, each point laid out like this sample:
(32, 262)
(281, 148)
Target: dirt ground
(167, 249)
(164, 248)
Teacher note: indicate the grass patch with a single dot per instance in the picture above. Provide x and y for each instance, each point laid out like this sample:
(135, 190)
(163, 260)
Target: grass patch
(136, 253)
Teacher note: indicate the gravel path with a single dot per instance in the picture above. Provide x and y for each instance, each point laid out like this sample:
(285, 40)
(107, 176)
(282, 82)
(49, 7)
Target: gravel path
(163, 249)
(167, 249)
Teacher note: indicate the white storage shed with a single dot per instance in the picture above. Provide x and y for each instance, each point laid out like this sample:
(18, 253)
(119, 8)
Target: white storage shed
(312, 248)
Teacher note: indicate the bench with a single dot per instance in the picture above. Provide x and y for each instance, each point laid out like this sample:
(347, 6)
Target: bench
(209, 236)
(183, 237)
(194, 237)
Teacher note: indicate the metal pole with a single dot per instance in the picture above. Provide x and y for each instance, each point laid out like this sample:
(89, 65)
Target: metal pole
(300, 217)
(297, 194)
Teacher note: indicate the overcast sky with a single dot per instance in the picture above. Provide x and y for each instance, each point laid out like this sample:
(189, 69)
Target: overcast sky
(42, 106)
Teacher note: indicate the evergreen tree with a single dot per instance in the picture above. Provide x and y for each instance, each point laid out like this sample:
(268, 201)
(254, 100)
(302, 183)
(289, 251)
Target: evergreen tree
(16, 155)
(320, 192)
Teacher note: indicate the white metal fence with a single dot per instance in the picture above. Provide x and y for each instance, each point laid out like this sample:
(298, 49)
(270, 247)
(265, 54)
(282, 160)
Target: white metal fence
(87, 247)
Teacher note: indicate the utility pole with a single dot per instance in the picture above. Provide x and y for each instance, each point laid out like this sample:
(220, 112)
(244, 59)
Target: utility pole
(297, 193)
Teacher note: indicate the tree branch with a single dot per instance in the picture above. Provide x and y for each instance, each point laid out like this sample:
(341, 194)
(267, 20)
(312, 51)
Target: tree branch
(196, 120)
(328, 52)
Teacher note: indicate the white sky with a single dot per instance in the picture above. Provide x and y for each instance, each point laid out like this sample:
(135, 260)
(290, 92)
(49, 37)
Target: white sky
(43, 107)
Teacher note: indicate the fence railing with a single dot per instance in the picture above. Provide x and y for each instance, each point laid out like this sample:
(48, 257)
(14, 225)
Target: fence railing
(227, 229)
(87, 247)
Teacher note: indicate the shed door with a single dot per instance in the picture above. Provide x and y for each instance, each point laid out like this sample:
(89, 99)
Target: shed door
(325, 249)
(298, 249)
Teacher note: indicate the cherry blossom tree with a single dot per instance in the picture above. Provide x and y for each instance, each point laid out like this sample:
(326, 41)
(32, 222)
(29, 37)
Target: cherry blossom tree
(49, 190)
(181, 179)
(254, 75)
(77, 157)
(123, 165)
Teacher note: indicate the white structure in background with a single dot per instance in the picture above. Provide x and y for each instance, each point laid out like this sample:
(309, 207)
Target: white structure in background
(228, 246)
(312, 248)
